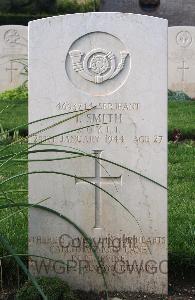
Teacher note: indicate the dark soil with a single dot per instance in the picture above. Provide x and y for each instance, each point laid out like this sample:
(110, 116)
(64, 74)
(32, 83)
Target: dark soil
(121, 296)
(178, 292)
(181, 287)
(186, 292)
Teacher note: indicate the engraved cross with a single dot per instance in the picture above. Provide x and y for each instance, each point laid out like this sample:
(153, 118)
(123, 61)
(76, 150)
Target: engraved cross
(11, 69)
(183, 68)
(98, 180)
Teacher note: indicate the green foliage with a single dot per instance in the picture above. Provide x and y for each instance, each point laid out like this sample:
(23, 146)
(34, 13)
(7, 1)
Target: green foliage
(7, 6)
(12, 252)
(54, 289)
(72, 6)
(47, 6)
(20, 93)
(178, 96)
(181, 116)
(40, 6)
(14, 225)
(14, 109)
(20, 12)
(181, 200)
(20, 19)
(6, 137)
(26, 6)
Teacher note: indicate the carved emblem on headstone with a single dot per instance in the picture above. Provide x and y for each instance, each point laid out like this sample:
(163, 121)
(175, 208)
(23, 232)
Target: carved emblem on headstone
(11, 37)
(98, 65)
(184, 39)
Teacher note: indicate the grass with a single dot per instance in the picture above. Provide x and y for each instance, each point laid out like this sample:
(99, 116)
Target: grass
(181, 116)
(14, 105)
(13, 224)
(181, 200)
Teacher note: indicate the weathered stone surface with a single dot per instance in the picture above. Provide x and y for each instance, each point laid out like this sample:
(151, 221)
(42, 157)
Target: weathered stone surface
(114, 66)
(181, 59)
(13, 56)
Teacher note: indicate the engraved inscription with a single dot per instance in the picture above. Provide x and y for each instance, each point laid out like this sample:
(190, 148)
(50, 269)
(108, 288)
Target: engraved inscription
(98, 180)
(184, 39)
(98, 65)
(116, 253)
(144, 139)
(115, 243)
(183, 68)
(68, 106)
(83, 265)
(106, 127)
(131, 245)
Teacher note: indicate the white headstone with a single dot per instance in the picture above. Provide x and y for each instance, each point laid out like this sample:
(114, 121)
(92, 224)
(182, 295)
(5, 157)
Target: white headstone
(181, 59)
(13, 56)
(115, 65)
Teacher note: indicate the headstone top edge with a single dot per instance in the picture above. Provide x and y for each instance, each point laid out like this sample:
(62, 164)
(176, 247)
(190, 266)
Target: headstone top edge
(171, 28)
(98, 14)
(13, 26)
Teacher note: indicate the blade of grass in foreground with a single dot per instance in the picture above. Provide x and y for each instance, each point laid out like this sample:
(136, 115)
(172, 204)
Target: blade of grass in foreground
(88, 240)
(12, 192)
(81, 153)
(32, 255)
(9, 200)
(75, 177)
(80, 178)
(89, 155)
(80, 112)
(21, 210)
(33, 122)
(49, 138)
(8, 106)
(6, 244)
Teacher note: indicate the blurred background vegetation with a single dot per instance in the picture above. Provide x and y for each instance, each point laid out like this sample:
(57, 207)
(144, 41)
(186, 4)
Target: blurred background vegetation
(23, 11)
